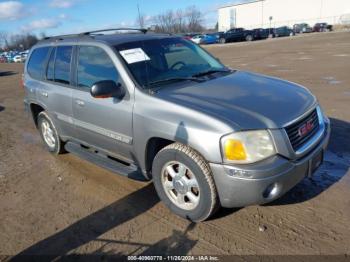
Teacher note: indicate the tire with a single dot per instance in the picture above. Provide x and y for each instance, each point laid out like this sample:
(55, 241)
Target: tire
(44, 122)
(222, 40)
(195, 166)
(249, 38)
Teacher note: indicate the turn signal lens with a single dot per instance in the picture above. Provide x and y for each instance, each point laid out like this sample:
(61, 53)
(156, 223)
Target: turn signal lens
(234, 150)
(247, 147)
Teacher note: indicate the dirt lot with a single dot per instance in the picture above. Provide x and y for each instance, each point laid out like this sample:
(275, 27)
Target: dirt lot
(64, 205)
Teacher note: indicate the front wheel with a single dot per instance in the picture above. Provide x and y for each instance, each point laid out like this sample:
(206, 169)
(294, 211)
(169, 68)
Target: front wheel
(184, 182)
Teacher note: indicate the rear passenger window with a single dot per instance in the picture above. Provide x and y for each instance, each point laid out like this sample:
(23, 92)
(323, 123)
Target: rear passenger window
(36, 64)
(94, 65)
(62, 64)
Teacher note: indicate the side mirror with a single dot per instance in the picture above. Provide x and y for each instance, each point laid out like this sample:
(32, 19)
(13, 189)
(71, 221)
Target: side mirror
(107, 88)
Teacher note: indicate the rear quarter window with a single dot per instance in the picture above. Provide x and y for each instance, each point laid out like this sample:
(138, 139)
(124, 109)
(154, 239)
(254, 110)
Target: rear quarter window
(37, 61)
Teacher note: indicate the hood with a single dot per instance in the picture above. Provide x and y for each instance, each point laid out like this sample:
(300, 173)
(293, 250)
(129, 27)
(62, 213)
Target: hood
(244, 100)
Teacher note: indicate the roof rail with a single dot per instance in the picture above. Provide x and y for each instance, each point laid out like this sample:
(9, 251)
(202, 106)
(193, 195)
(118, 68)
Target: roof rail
(60, 36)
(93, 32)
(143, 30)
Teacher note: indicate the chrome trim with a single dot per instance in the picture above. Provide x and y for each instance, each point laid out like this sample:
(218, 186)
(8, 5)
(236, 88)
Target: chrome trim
(313, 140)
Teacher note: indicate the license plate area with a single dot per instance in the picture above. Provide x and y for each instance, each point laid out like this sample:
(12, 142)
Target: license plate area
(315, 162)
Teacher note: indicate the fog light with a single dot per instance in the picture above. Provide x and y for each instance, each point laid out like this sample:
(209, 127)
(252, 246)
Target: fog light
(271, 191)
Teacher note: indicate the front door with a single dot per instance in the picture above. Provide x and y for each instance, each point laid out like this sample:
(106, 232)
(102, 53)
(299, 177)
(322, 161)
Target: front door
(105, 123)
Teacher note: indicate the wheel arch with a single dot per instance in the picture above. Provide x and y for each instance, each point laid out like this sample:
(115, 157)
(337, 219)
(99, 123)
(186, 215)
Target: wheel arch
(153, 146)
(35, 109)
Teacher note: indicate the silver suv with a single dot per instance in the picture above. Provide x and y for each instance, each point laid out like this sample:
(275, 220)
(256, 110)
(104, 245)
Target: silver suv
(161, 108)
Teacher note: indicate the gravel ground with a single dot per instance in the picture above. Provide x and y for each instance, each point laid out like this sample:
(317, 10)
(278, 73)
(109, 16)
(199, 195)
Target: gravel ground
(64, 205)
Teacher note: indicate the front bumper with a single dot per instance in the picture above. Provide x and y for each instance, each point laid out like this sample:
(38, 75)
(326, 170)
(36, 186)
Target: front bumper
(263, 182)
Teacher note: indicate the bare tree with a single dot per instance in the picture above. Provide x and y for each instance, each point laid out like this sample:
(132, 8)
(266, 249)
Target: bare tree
(194, 19)
(4, 39)
(141, 21)
(181, 21)
(21, 42)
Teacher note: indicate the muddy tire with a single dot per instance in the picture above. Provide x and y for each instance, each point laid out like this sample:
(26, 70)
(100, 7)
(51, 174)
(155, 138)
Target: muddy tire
(184, 182)
(49, 134)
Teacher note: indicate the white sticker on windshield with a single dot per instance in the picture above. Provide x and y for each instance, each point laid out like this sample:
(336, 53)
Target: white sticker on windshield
(134, 55)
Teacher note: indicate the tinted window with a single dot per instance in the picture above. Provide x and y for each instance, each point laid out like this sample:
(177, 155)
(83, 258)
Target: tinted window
(62, 64)
(50, 66)
(94, 65)
(37, 61)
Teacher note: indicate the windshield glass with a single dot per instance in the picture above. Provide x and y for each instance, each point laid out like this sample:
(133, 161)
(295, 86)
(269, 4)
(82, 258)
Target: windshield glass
(152, 61)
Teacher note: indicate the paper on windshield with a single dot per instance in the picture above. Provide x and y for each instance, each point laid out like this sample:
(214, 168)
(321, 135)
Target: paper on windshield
(134, 55)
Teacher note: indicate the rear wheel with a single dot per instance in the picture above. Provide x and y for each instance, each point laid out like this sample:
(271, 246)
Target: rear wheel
(49, 134)
(184, 182)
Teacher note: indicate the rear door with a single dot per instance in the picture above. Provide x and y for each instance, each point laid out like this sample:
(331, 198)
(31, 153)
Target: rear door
(57, 91)
(105, 123)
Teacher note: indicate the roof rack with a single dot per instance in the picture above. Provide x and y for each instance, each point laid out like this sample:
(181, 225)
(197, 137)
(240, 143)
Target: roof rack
(94, 32)
(61, 36)
(143, 30)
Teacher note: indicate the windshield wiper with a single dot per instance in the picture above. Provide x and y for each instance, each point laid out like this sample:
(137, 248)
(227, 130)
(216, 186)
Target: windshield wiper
(171, 79)
(211, 71)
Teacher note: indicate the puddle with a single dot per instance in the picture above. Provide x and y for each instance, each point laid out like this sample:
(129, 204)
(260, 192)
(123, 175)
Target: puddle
(30, 138)
(332, 170)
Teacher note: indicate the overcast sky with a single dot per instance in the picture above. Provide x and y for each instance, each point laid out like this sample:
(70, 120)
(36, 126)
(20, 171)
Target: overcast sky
(71, 16)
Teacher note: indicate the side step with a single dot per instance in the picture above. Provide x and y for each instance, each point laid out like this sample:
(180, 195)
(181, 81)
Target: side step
(130, 171)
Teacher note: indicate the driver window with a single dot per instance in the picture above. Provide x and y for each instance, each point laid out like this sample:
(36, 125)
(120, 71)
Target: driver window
(94, 65)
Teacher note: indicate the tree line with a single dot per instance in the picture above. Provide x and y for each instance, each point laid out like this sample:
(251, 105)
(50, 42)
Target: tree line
(17, 42)
(185, 20)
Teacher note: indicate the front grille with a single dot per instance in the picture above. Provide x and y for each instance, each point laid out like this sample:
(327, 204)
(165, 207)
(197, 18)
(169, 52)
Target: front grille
(293, 131)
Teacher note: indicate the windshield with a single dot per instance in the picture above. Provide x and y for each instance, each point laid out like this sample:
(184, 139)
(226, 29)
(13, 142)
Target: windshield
(152, 61)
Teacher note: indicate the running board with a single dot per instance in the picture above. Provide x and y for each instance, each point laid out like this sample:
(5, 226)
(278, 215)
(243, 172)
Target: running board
(130, 171)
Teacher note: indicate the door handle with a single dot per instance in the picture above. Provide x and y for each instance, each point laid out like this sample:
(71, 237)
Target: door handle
(44, 94)
(80, 103)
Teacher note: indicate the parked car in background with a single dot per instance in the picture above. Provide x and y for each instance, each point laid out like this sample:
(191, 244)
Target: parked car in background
(283, 31)
(236, 34)
(3, 59)
(188, 36)
(322, 27)
(302, 28)
(216, 35)
(18, 59)
(260, 33)
(204, 39)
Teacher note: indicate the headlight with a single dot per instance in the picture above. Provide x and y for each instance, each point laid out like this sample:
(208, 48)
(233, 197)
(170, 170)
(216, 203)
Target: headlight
(247, 146)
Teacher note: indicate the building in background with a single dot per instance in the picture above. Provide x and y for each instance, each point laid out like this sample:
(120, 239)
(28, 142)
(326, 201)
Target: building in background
(263, 13)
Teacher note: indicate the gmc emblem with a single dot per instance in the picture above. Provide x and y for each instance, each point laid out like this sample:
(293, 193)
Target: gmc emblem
(305, 128)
